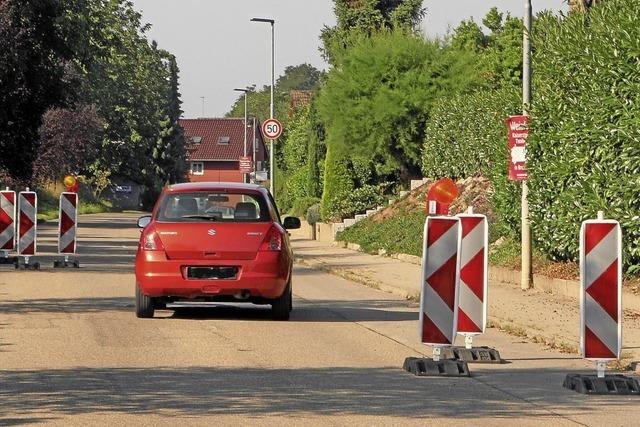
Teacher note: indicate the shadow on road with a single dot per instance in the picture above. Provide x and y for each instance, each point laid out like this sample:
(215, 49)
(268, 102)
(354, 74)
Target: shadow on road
(66, 305)
(316, 311)
(254, 391)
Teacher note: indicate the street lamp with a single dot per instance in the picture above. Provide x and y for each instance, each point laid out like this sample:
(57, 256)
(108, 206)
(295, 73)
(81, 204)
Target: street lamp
(245, 91)
(525, 279)
(271, 158)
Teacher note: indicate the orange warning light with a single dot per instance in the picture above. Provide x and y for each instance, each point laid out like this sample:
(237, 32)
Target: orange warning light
(444, 191)
(69, 181)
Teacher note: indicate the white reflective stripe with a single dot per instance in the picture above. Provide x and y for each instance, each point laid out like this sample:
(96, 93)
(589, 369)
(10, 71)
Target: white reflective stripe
(439, 312)
(27, 239)
(66, 239)
(7, 206)
(68, 208)
(6, 236)
(601, 257)
(442, 250)
(472, 243)
(601, 324)
(28, 209)
(471, 305)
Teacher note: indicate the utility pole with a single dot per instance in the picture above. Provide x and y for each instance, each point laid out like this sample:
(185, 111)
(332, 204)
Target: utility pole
(202, 97)
(525, 279)
(244, 124)
(271, 156)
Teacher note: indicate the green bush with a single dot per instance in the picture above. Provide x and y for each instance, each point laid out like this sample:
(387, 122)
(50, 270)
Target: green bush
(401, 233)
(301, 205)
(337, 185)
(359, 200)
(584, 149)
(478, 147)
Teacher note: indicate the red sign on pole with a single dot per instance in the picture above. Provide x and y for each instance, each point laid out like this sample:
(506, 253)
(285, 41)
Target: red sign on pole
(246, 164)
(518, 127)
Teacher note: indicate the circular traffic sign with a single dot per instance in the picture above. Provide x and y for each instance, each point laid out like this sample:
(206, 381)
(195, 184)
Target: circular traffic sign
(272, 128)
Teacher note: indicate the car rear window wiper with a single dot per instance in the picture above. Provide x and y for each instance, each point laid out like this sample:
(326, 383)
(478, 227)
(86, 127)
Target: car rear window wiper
(207, 217)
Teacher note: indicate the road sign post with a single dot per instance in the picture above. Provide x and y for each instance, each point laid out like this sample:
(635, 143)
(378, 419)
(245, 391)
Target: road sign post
(27, 227)
(472, 300)
(67, 229)
(272, 129)
(601, 308)
(7, 225)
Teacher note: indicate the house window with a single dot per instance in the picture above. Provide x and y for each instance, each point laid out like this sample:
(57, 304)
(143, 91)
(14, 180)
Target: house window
(197, 168)
(223, 140)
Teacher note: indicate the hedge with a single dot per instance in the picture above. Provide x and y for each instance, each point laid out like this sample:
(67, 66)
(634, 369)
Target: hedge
(584, 150)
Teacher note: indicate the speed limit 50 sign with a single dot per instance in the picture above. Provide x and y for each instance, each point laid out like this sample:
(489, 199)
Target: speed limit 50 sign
(272, 128)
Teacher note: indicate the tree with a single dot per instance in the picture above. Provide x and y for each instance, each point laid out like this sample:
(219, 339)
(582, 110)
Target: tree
(376, 103)
(68, 142)
(365, 17)
(35, 75)
(298, 77)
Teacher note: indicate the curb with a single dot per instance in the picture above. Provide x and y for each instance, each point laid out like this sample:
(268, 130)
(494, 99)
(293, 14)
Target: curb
(551, 285)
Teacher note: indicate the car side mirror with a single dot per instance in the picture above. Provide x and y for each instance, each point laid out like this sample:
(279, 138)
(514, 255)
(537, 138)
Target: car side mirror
(291, 223)
(143, 221)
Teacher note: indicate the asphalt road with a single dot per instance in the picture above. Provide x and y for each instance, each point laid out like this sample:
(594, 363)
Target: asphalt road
(73, 353)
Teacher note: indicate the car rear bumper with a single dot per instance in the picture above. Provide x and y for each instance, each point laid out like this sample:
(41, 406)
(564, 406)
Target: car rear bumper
(265, 276)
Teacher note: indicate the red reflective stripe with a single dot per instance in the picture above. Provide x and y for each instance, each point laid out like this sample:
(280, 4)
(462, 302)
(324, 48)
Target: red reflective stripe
(72, 198)
(25, 224)
(605, 290)
(466, 324)
(437, 227)
(443, 280)
(473, 274)
(594, 233)
(431, 333)
(69, 249)
(65, 223)
(594, 348)
(469, 223)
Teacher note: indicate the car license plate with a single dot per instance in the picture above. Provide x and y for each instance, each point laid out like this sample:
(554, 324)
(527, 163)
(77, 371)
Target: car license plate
(212, 273)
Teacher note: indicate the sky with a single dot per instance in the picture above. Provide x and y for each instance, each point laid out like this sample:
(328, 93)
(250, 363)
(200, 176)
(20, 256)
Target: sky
(219, 49)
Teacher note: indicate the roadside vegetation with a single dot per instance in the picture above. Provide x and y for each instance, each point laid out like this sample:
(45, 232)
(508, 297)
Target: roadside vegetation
(395, 106)
(89, 95)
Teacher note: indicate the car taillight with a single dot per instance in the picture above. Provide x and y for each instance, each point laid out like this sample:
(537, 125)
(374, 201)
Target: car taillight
(151, 242)
(272, 241)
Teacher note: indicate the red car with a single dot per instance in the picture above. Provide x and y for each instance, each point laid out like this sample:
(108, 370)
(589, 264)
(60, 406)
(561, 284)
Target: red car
(214, 242)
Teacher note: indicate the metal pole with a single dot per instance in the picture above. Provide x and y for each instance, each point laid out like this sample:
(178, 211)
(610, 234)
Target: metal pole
(244, 175)
(253, 153)
(271, 156)
(525, 279)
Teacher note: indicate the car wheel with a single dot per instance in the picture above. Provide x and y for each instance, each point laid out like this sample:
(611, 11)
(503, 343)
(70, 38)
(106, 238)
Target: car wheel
(144, 304)
(281, 306)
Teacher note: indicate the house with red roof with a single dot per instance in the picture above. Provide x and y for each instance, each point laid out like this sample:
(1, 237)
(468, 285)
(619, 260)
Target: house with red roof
(214, 148)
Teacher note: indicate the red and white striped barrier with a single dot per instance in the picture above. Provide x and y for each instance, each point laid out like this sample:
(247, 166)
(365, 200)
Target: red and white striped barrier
(601, 295)
(67, 225)
(7, 220)
(440, 281)
(472, 306)
(27, 223)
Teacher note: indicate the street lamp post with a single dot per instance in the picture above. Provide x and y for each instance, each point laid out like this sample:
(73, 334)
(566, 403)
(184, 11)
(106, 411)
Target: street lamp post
(525, 279)
(245, 91)
(271, 157)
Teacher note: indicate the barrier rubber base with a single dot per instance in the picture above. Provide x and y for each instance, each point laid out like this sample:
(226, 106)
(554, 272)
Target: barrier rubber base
(472, 355)
(609, 385)
(8, 260)
(60, 263)
(427, 367)
(30, 266)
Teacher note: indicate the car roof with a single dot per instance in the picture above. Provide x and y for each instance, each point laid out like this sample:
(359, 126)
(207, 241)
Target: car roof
(213, 186)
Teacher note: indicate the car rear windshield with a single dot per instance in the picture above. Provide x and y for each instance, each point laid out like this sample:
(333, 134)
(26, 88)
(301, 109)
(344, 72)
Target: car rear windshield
(213, 206)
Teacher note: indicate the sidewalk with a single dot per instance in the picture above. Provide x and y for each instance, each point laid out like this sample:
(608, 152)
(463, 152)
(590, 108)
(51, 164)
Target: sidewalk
(548, 319)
